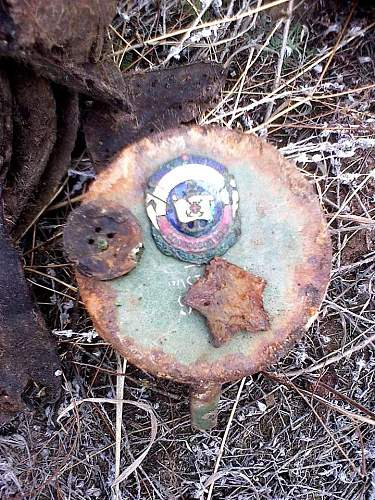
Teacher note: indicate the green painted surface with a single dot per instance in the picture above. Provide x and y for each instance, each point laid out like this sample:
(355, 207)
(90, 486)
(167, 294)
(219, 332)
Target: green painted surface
(204, 416)
(149, 298)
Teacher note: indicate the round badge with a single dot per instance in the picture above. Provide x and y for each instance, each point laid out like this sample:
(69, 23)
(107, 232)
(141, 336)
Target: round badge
(192, 203)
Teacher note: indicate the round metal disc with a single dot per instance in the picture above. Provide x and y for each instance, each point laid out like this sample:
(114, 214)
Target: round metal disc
(105, 241)
(284, 241)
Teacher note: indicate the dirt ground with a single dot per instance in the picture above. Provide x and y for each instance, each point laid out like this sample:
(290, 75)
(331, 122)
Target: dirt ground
(305, 428)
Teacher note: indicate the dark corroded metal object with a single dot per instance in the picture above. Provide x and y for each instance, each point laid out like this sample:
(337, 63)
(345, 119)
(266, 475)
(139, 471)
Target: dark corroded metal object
(192, 203)
(156, 101)
(284, 241)
(231, 299)
(104, 241)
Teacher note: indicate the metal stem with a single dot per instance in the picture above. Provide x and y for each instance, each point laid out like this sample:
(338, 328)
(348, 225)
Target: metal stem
(204, 400)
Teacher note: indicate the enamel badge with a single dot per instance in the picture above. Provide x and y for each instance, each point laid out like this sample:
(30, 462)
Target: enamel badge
(192, 203)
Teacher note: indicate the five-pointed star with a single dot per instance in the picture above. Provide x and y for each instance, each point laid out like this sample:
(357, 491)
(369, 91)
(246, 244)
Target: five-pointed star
(230, 298)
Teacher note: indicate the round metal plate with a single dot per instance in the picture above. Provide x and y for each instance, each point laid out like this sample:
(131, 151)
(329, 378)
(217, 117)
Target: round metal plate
(283, 240)
(105, 241)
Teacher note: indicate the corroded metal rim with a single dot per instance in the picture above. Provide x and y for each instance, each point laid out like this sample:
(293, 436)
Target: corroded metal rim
(310, 278)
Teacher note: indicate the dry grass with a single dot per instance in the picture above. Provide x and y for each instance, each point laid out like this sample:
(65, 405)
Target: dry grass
(308, 85)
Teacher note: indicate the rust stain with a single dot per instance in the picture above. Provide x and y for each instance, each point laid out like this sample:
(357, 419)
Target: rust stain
(230, 298)
(104, 240)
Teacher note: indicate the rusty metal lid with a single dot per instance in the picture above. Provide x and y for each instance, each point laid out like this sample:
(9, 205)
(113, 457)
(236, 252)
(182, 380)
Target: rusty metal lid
(283, 242)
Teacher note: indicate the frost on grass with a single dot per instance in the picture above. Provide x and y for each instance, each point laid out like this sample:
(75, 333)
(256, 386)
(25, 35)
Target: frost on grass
(290, 437)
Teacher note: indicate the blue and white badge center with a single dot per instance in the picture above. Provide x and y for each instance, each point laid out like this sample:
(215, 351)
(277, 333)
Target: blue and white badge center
(193, 206)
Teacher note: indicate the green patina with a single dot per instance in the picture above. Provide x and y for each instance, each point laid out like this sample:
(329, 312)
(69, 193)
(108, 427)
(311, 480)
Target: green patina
(148, 301)
(102, 244)
(204, 415)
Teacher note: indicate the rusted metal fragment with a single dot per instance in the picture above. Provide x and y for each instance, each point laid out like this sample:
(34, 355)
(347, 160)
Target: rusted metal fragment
(174, 92)
(104, 240)
(204, 400)
(67, 106)
(230, 298)
(6, 125)
(34, 123)
(27, 352)
(157, 100)
(62, 39)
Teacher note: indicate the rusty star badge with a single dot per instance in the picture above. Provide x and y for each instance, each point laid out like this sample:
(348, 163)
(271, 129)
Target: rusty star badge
(230, 298)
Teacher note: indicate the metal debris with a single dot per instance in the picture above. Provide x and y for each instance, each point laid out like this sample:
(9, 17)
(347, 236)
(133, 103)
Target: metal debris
(230, 298)
(104, 240)
(143, 316)
(156, 101)
(129, 314)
